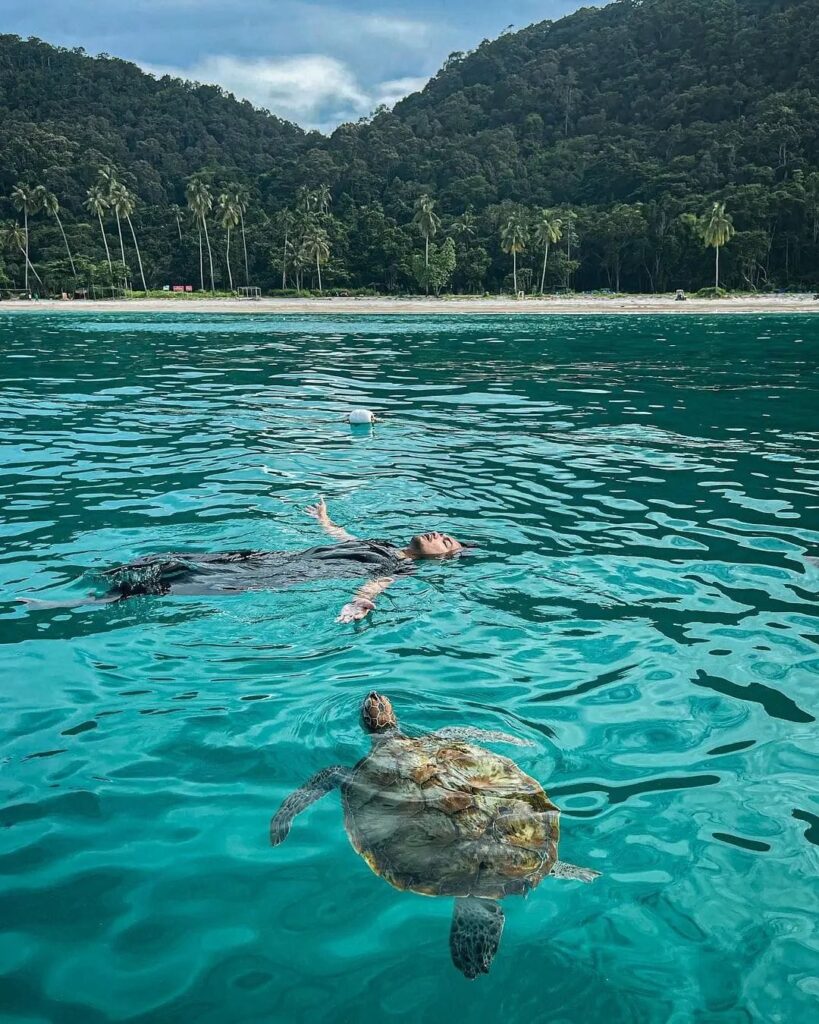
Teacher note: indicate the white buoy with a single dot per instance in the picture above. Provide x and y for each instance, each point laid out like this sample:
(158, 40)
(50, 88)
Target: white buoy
(361, 416)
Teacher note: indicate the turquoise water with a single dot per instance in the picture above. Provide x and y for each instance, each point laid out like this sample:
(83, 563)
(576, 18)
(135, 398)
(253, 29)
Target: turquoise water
(644, 491)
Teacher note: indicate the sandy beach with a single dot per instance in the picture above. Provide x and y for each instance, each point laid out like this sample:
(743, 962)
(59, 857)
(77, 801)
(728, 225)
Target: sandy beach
(579, 304)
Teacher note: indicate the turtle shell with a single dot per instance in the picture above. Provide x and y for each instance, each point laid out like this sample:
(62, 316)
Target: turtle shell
(447, 818)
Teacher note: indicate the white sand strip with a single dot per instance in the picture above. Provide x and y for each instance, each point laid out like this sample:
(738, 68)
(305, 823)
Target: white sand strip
(500, 305)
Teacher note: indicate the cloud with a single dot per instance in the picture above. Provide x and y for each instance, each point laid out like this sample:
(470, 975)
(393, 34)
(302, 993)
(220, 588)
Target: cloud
(412, 34)
(396, 89)
(314, 90)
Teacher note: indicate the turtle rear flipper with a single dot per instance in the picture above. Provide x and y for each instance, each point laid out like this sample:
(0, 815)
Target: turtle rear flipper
(560, 869)
(477, 926)
(315, 788)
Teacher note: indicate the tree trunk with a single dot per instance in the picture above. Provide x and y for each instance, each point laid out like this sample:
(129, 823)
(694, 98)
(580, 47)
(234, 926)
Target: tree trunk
(107, 250)
(28, 264)
(227, 256)
(138, 256)
(67, 247)
(244, 247)
(318, 268)
(25, 222)
(543, 275)
(515, 270)
(210, 254)
(201, 259)
(122, 249)
(178, 228)
(426, 263)
(284, 262)
(716, 281)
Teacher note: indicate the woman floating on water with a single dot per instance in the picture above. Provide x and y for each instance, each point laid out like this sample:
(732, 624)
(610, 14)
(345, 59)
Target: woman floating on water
(231, 572)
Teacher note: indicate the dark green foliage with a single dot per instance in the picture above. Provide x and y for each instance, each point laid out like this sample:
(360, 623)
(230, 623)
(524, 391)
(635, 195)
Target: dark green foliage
(628, 122)
(437, 273)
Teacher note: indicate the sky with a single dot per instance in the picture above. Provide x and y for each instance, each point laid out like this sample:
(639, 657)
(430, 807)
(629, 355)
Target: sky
(318, 64)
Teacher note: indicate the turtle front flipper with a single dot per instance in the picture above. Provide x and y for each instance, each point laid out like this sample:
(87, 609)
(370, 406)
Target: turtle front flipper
(560, 869)
(477, 926)
(315, 788)
(468, 732)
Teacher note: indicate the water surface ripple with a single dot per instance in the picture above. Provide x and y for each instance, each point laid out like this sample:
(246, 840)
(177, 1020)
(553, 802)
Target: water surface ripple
(642, 608)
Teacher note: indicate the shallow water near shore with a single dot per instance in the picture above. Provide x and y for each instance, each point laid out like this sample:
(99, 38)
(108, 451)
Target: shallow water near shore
(642, 608)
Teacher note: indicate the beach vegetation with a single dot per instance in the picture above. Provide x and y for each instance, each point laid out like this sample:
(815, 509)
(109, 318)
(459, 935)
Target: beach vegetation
(718, 230)
(200, 203)
(228, 209)
(548, 229)
(427, 222)
(514, 235)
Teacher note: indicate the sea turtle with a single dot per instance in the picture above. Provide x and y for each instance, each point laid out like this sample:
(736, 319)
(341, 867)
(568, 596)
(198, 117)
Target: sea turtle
(437, 815)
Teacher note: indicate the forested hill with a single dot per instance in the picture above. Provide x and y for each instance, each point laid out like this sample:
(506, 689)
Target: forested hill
(619, 127)
(62, 109)
(631, 101)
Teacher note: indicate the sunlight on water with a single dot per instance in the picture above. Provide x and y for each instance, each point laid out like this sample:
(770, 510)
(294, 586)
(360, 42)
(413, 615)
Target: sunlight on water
(642, 608)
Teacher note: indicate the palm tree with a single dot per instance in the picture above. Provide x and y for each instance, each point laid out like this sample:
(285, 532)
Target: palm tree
(14, 237)
(548, 229)
(193, 204)
(316, 246)
(97, 203)
(428, 223)
(177, 213)
(240, 201)
(305, 200)
(285, 219)
(27, 199)
(228, 208)
(123, 202)
(301, 261)
(718, 231)
(200, 200)
(108, 181)
(514, 236)
(463, 227)
(323, 198)
(115, 201)
(49, 202)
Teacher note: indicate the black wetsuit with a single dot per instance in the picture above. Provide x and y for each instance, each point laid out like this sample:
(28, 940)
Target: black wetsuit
(230, 572)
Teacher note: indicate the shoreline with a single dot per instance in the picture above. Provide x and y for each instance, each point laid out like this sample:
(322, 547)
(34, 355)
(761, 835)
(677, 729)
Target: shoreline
(646, 304)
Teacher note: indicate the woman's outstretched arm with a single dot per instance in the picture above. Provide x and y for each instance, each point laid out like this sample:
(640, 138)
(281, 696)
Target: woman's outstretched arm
(320, 513)
(364, 601)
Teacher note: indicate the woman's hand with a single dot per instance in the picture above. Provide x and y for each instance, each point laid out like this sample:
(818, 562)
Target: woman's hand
(319, 510)
(355, 610)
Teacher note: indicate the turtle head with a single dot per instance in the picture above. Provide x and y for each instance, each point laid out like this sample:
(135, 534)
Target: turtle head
(377, 715)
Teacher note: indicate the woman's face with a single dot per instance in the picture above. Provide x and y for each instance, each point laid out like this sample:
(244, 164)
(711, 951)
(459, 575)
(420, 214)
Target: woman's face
(433, 545)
